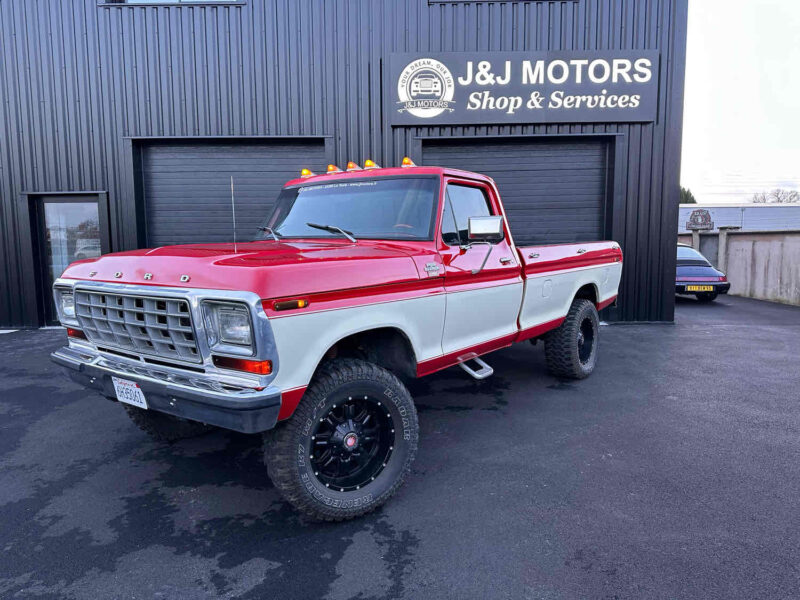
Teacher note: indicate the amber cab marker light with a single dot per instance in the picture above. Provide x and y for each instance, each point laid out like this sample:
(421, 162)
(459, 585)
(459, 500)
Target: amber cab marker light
(407, 162)
(351, 166)
(75, 333)
(371, 164)
(290, 304)
(307, 173)
(334, 169)
(259, 367)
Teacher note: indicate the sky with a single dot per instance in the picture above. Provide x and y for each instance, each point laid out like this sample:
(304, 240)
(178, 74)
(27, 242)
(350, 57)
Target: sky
(741, 122)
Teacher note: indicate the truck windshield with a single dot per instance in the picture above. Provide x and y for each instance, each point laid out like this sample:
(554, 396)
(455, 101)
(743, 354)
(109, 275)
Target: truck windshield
(399, 208)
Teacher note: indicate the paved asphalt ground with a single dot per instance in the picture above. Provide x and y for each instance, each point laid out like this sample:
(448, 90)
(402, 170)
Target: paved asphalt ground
(673, 472)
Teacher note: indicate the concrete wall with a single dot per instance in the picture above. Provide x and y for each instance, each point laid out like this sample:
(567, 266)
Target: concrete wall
(763, 265)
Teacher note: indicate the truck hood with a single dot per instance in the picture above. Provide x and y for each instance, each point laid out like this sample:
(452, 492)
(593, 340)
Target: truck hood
(268, 268)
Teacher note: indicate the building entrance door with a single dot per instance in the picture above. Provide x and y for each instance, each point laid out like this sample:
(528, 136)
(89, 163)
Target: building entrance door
(70, 228)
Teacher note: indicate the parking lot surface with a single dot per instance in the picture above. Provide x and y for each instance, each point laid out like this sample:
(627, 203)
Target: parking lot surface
(674, 471)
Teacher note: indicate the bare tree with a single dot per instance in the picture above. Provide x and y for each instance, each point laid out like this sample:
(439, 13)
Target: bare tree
(777, 196)
(781, 196)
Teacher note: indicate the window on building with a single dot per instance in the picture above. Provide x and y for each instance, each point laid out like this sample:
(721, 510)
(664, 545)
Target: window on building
(462, 202)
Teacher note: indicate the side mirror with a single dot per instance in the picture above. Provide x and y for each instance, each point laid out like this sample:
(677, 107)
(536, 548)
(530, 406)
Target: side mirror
(485, 229)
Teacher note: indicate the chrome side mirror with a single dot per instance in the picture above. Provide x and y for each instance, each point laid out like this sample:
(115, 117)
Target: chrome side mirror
(485, 229)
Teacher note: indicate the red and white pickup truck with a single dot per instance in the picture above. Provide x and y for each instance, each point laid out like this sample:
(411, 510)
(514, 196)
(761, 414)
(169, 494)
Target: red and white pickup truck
(357, 281)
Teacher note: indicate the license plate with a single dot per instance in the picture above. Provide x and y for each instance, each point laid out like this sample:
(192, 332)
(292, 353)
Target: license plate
(699, 288)
(129, 392)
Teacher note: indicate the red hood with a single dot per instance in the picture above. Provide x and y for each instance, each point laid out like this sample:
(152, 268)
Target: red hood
(270, 269)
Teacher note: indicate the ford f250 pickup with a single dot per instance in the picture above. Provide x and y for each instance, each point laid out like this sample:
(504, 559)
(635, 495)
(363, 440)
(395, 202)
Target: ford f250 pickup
(357, 281)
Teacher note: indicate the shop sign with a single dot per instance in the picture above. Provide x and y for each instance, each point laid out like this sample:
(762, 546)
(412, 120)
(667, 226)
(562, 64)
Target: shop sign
(523, 87)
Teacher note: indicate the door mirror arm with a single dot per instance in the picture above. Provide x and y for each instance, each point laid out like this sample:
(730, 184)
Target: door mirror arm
(465, 247)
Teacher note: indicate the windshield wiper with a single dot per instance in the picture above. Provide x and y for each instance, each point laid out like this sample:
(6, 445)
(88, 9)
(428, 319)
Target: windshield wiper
(334, 229)
(275, 235)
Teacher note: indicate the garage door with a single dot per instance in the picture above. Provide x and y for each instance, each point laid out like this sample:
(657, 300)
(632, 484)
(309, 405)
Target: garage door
(553, 191)
(187, 187)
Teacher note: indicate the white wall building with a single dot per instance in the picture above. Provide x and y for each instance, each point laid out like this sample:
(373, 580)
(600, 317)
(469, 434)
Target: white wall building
(749, 217)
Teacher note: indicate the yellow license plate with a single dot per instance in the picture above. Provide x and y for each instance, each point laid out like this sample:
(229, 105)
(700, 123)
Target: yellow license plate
(699, 288)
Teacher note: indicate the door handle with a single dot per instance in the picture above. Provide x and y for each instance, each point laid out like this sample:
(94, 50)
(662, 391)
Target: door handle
(505, 260)
(533, 255)
(581, 250)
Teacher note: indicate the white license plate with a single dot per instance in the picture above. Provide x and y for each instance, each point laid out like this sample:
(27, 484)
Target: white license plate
(129, 392)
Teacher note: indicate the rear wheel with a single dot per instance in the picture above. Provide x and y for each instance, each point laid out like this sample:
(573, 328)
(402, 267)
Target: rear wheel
(571, 350)
(165, 428)
(349, 444)
(706, 297)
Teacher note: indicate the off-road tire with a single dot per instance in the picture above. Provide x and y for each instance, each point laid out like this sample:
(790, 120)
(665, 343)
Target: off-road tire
(706, 297)
(562, 348)
(165, 428)
(288, 447)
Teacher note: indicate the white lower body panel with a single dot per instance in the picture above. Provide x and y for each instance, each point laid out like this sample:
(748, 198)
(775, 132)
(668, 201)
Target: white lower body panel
(303, 339)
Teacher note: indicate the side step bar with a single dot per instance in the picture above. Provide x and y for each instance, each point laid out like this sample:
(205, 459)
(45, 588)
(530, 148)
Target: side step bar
(482, 373)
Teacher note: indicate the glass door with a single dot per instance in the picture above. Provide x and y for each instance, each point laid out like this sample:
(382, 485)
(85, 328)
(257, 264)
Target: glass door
(70, 229)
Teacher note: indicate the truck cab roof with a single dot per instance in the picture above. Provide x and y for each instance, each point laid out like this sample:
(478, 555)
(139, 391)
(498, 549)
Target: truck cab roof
(388, 172)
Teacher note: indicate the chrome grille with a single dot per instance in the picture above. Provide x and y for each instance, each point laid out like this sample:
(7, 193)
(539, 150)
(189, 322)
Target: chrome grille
(146, 325)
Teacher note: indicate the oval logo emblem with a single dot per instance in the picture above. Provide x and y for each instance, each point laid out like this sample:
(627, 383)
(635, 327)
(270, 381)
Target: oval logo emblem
(118, 274)
(185, 278)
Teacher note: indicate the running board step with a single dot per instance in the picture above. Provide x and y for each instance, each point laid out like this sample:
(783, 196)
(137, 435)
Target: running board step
(482, 373)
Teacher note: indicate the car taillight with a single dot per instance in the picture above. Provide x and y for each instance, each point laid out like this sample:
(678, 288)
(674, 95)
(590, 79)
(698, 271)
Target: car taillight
(75, 333)
(259, 367)
(723, 278)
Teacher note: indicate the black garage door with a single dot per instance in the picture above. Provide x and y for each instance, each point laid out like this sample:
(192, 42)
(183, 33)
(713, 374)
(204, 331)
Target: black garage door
(553, 191)
(187, 186)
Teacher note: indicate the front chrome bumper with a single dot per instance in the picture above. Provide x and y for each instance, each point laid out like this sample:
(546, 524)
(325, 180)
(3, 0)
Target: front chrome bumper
(233, 404)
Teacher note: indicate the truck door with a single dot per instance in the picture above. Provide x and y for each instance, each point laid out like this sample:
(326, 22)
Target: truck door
(483, 298)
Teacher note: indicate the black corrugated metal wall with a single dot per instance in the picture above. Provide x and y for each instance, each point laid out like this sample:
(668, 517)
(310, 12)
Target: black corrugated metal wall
(79, 80)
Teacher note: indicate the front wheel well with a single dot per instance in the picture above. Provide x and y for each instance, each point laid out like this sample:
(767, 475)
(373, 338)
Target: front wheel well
(387, 347)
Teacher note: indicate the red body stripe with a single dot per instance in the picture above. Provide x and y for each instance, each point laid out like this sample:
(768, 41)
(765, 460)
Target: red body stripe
(426, 367)
(538, 330)
(561, 257)
(604, 303)
(289, 401)
(360, 296)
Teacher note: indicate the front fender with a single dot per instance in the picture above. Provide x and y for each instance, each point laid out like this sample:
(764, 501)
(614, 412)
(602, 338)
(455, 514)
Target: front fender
(303, 339)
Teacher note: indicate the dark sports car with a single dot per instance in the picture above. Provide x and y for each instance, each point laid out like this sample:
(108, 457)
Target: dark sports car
(695, 275)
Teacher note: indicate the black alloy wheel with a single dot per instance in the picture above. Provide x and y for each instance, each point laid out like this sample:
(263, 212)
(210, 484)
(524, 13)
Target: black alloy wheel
(586, 335)
(571, 349)
(352, 443)
(349, 444)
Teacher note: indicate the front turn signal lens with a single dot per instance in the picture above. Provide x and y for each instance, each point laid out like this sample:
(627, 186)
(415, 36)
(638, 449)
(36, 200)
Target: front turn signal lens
(371, 164)
(290, 304)
(306, 173)
(407, 162)
(334, 169)
(351, 166)
(259, 367)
